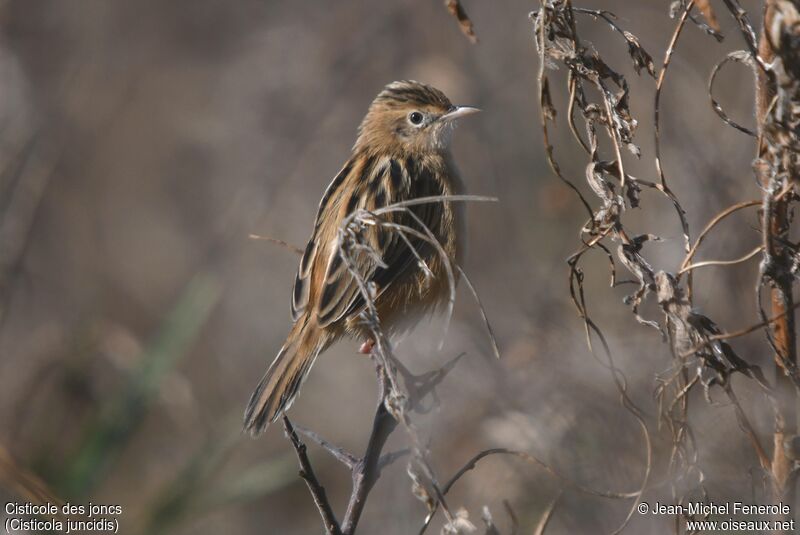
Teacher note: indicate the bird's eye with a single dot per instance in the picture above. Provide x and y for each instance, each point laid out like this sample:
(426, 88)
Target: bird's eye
(415, 117)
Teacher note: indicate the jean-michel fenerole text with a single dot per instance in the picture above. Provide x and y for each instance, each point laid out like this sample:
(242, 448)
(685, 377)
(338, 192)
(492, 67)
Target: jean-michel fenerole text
(725, 508)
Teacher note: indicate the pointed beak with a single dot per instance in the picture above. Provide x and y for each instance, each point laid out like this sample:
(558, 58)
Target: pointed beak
(458, 112)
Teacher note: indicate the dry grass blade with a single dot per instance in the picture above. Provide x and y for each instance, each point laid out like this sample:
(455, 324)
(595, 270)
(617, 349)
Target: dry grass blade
(362, 217)
(739, 260)
(286, 245)
(713, 223)
(486, 323)
(544, 521)
(513, 517)
(432, 199)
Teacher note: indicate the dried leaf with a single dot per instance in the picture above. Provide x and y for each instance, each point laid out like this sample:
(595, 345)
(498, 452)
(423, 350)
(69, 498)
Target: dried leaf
(457, 10)
(708, 12)
(459, 525)
(418, 488)
(639, 55)
(547, 102)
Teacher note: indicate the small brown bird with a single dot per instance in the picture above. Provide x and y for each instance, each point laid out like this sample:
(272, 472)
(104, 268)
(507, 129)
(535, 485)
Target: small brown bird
(402, 152)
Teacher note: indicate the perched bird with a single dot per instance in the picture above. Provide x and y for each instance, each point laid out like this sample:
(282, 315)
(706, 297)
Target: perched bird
(402, 152)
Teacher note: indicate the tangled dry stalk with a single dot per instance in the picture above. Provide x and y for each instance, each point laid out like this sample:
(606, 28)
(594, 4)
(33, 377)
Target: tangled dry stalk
(702, 355)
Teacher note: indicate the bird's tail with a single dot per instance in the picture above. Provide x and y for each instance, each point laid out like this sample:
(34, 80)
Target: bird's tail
(278, 388)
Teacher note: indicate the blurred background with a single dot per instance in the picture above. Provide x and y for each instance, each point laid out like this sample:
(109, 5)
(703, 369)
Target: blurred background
(142, 143)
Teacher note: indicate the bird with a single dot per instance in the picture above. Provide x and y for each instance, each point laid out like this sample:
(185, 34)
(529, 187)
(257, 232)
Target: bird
(402, 152)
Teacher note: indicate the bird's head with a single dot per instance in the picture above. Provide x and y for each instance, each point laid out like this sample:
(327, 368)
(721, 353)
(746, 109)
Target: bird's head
(409, 117)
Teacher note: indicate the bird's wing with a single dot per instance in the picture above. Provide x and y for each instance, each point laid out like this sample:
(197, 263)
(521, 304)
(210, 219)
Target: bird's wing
(302, 281)
(341, 296)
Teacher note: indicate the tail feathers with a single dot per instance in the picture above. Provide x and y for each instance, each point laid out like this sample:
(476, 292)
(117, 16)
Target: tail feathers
(278, 388)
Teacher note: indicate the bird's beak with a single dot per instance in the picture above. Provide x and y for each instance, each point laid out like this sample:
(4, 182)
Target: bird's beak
(458, 112)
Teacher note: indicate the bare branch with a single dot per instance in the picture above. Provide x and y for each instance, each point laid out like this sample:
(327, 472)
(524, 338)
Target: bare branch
(367, 470)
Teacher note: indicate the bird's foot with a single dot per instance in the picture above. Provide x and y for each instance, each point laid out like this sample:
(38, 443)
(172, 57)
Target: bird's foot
(366, 347)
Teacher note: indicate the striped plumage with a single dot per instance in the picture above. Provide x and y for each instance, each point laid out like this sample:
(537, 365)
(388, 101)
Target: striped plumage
(402, 153)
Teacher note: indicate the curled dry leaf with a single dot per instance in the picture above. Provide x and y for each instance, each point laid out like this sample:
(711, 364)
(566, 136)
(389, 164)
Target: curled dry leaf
(641, 59)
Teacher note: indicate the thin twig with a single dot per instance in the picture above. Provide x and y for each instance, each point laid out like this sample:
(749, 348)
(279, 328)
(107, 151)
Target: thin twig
(472, 463)
(345, 457)
(314, 486)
